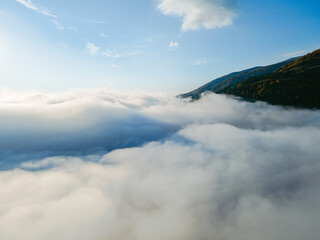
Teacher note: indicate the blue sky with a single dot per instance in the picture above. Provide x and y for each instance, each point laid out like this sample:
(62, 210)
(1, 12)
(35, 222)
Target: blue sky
(159, 45)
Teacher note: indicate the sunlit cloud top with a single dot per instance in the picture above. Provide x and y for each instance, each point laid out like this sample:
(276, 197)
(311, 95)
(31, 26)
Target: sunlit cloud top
(200, 13)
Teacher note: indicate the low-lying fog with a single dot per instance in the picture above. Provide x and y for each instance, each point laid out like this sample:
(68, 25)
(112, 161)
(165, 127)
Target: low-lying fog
(106, 165)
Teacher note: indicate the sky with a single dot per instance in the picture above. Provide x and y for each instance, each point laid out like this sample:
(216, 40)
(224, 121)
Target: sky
(170, 46)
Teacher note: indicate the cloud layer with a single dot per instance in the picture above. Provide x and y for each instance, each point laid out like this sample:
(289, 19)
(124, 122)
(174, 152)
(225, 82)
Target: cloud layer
(219, 168)
(36, 125)
(200, 13)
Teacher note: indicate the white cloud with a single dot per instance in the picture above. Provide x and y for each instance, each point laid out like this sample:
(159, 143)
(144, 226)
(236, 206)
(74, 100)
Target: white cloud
(111, 54)
(95, 21)
(293, 54)
(108, 53)
(103, 35)
(133, 53)
(93, 49)
(173, 44)
(200, 13)
(30, 5)
(115, 66)
(63, 118)
(215, 167)
(57, 24)
(200, 62)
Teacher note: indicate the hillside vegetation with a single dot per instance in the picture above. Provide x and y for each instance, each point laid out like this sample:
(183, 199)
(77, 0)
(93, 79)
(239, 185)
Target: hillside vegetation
(295, 84)
(234, 78)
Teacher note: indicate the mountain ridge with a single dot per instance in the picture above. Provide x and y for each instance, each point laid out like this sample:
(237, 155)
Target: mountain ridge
(233, 78)
(296, 84)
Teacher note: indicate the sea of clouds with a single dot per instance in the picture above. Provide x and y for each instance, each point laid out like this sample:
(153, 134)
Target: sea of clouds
(108, 165)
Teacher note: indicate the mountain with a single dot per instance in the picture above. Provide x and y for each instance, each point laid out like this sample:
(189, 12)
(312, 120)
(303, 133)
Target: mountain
(234, 78)
(294, 84)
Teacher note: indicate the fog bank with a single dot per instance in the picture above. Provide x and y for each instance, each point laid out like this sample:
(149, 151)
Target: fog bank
(120, 165)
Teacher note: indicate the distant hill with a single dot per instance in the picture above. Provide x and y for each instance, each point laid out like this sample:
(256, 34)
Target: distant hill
(294, 84)
(234, 78)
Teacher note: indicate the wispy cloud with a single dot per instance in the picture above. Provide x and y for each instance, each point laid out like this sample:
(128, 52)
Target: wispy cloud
(293, 54)
(43, 11)
(57, 24)
(103, 35)
(94, 21)
(133, 52)
(115, 66)
(61, 27)
(200, 62)
(173, 44)
(93, 49)
(200, 13)
(109, 53)
(30, 5)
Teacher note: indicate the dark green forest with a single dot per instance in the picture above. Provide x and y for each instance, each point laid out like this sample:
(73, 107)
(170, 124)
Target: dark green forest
(295, 84)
